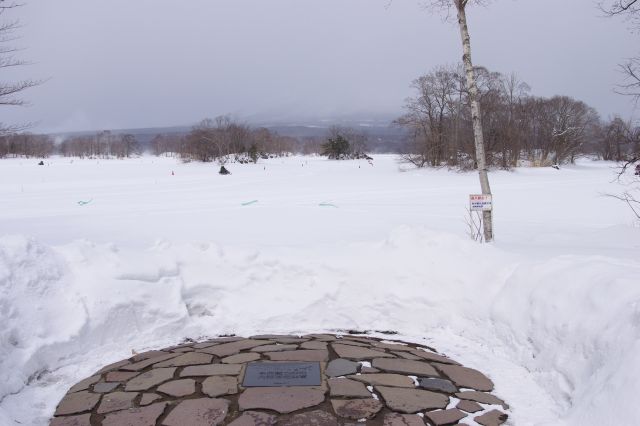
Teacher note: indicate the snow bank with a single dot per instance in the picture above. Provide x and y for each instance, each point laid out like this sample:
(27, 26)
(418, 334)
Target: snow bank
(572, 321)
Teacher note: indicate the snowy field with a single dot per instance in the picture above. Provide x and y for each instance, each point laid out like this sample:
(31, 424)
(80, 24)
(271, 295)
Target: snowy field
(98, 258)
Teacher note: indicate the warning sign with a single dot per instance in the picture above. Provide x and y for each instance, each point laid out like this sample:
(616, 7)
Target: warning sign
(479, 202)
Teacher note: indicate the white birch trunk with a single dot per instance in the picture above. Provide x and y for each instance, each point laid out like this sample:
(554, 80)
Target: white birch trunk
(476, 116)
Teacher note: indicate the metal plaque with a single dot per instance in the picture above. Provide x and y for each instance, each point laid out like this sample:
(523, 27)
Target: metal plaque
(280, 374)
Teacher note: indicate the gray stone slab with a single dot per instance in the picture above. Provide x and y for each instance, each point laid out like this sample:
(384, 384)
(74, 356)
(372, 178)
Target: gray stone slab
(341, 367)
(438, 385)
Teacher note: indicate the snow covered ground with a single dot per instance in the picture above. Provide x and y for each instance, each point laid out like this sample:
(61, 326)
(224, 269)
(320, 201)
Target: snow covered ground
(551, 310)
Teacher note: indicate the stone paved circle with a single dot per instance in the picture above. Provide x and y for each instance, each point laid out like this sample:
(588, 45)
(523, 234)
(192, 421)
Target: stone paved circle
(364, 381)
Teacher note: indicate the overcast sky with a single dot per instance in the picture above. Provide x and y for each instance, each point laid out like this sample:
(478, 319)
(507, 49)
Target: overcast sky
(146, 63)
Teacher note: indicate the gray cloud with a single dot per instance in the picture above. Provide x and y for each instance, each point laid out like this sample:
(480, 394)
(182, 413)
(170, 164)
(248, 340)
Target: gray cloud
(142, 63)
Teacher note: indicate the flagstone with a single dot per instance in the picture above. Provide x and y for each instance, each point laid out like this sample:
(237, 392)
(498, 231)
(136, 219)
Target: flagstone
(178, 388)
(300, 355)
(145, 416)
(76, 403)
(482, 397)
(150, 379)
(241, 358)
(492, 418)
(282, 400)
(116, 401)
(341, 367)
(348, 388)
(466, 377)
(445, 417)
(198, 412)
(411, 401)
(275, 348)
(220, 385)
(226, 349)
(148, 398)
(358, 353)
(383, 379)
(405, 366)
(81, 420)
(395, 419)
(193, 358)
(255, 418)
(211, 370)
(356, 409)
(311, 418)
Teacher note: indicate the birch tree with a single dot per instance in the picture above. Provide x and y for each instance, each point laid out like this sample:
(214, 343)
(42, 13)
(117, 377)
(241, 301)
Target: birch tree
(460, 7)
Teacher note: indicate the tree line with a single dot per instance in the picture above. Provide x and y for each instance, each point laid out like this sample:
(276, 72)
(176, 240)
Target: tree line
(220, 140)
(104, 144)
(519, 128)
(223, 139)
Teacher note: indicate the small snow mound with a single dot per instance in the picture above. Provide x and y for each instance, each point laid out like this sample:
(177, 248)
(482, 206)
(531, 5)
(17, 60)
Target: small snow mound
(38, 307)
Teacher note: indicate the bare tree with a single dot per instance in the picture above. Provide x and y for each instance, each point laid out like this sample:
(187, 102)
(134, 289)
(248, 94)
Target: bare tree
(630, 11)
(10, 90)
